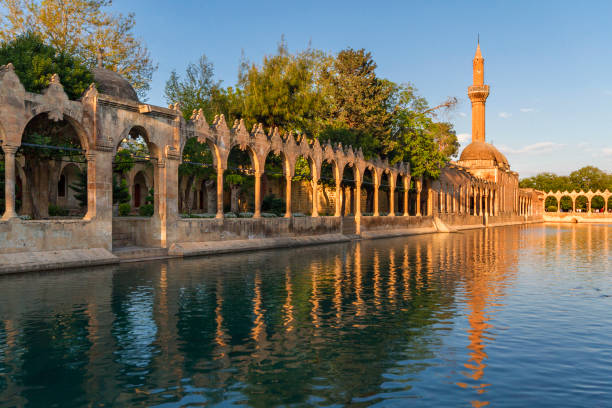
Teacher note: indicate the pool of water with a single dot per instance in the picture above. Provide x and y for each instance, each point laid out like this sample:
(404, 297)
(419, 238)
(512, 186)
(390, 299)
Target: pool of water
(514, 316)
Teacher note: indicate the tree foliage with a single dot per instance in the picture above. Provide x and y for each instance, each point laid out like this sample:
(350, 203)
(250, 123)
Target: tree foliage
(336, 97)
(82, 28)
(586, 178)
(35, 63)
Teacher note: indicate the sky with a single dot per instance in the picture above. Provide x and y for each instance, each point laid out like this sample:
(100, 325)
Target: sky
(549, 63)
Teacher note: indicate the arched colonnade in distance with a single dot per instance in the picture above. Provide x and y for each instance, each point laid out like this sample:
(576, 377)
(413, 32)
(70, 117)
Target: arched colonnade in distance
(587, 198)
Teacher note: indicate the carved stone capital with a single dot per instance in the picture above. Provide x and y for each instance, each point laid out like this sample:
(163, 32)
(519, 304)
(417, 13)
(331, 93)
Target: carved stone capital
(10, 149)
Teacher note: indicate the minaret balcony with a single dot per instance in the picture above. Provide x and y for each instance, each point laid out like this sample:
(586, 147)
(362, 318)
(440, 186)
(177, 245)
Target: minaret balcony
(478, 93)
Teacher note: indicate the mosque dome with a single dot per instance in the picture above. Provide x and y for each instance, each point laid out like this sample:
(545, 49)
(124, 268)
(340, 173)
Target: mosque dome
(483, 151)
(111, 83)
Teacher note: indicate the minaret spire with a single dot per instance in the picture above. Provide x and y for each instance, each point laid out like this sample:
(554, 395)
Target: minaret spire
(478, 94)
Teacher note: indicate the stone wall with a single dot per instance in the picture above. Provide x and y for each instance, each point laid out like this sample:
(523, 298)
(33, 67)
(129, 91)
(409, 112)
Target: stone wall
(18, 235)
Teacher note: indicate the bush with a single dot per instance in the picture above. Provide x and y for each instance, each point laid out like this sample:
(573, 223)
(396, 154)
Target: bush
(551, 208)
(230, 215)
(268, 215)
(146, 210)
(57, 211)
(273, 204)
(245, 215)
(298, 214)
(124, 209)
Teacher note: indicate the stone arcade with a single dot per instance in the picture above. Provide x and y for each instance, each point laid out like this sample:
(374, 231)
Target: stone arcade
(478, 190)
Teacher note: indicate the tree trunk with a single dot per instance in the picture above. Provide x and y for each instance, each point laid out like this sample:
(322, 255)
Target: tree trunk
(187, 204)
(37, 175)
(234, 192)
(211, 196)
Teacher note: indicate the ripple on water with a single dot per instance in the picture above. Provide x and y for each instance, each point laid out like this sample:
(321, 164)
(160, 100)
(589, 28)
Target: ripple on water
(513, 316)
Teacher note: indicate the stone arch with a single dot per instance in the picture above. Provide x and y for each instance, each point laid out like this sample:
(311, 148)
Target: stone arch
(47, 142)
(330, 176)
(598, 203)
(66, 196)
(275, 172)
(140, 189)
(566, 203)
(197, 174)
(350, 176)
(370, 182)
(81, 133)
(242, 165)
(582, 202)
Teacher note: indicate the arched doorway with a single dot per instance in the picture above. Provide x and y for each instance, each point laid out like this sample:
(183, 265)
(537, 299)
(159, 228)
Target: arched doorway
(273, 186)
(347, 188)
(551, 204)
(371, 204)
(327, 181)
(197, 178)
(566, 203)
(598, 204)
(133, 175)
(46, 147)
(240, 182)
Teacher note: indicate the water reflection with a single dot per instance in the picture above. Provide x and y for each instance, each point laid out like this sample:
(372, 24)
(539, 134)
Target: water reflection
(433, 319)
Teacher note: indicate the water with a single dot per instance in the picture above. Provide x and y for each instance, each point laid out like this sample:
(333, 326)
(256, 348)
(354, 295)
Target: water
(515, 316)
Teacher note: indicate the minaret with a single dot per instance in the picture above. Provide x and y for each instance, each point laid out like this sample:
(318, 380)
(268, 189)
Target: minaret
(478, 94)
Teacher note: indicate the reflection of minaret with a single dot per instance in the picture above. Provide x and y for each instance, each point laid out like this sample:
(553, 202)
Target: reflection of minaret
(478, 94)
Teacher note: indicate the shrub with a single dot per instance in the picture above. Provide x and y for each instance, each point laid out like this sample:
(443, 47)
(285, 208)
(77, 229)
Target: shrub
(298, 214)
(230, 215)
(245, 215)
(57, 211)
(124, 209)
(273, 204)
(146, 210)
(268, 215)
(551, 208)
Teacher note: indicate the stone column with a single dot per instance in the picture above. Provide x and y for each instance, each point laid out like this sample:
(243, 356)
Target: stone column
(288, 178)
(257, 207)
(418, 202)
(338, 197)
(429, 201)
(406, 182)
(573, 204)
(99, 185)
(392, 195)
(376, 186)
(219, 192)
(357, 198)
(315, 195)
(455, 200)
(9, 182)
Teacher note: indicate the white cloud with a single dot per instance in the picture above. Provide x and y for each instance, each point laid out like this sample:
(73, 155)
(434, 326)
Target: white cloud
(462, 114)
(464, 137)
(606, 151)
(584, 145)
(535, 148)
(527, 110)
(504, 115)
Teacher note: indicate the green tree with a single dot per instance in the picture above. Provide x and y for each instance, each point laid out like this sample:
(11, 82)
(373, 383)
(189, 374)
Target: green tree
(359, 100)
(198, 89)
(590, 178)
(284, 91)
(416, 138)
(82, 28)
(36, 62)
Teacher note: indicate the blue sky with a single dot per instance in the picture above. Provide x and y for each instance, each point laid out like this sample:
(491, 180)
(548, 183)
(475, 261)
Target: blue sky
(549, 63)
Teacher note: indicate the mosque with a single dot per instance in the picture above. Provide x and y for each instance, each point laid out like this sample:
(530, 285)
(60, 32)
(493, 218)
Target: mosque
(191, 218)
